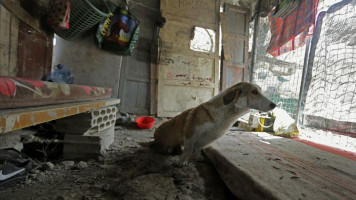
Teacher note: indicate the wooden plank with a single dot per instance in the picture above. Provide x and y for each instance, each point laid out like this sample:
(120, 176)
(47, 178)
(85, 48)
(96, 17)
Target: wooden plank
(237, 50)
(14, 36)
(235, 45)
(142, 92)
(189, 21)
(346, 128)
(247, 27)
(15, 8)
(280, 168)
(153, 91)
(186, 78)
(34, 54)
(217, 51)
(155, 49)
(203, 11)
(14, 119)
(4, 41)
(224, 31)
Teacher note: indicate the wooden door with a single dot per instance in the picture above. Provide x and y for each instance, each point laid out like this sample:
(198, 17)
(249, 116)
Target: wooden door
(35, 50)
(187, 78)
(134, 90)
(235, 35)
(9, 31)
(135, 82)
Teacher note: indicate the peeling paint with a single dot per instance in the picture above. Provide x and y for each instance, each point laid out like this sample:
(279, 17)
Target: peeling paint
(52, 114)
(33, 119)
(10, 123)
(22, 119)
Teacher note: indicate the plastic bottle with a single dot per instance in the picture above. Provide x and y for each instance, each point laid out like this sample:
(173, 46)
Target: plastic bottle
(60, 74)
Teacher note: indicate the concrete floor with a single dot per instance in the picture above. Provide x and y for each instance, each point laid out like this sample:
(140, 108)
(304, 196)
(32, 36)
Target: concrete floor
(261, 166)
(127, 171)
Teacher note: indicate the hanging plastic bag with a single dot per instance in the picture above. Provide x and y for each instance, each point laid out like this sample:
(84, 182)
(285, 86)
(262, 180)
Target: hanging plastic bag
(119, 32)
(59, 14)
(284, 125)
(60, 74)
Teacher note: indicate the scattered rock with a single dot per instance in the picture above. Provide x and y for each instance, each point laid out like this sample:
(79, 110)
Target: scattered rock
(48, 166)
(68, 164)
(41, 177)
(117, 128)
(82, 180)
(33, 176)
(28, 182)
(101, 158)
(82, 165)
(106, 187)
(126, 172)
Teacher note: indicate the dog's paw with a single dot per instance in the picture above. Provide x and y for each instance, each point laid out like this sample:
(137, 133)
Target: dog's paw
(179, 164)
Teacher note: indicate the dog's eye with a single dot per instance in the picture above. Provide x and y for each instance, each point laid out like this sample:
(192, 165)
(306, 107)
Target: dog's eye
(255, 92)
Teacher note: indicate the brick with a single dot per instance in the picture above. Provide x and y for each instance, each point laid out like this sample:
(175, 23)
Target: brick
(13, 139)
(93, 144)
(80, 124)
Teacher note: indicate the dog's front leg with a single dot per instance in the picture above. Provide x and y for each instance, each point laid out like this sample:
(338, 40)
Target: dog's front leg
(198, 155)
(188, 150)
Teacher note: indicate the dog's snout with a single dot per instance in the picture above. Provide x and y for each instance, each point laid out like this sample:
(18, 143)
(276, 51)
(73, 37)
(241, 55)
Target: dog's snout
(272, 105)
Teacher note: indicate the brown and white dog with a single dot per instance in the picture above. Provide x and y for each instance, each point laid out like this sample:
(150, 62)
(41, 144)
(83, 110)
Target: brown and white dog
(196, 128)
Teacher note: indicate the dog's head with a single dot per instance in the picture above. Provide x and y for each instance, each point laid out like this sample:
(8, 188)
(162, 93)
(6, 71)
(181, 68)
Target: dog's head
(247, 95)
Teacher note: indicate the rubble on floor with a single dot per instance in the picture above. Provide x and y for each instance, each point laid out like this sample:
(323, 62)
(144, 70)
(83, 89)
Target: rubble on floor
(125, 171)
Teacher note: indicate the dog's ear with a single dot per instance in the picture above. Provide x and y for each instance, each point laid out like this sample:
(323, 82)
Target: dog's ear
(230, 96)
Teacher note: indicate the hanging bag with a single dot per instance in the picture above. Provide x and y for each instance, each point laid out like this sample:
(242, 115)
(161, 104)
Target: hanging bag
(59, 14)
(119, 32)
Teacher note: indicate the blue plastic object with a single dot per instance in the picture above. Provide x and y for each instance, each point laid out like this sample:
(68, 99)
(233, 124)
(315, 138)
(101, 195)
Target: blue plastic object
(60, 74)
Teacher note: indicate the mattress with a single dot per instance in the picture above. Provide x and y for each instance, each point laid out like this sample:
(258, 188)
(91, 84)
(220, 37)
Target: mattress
(18, 92)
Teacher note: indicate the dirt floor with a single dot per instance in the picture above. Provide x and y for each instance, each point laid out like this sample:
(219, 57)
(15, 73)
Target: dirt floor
(126, 171)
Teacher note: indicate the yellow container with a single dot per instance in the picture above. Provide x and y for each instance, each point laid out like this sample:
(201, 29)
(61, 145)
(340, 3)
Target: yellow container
(260, 128)
(266, 124)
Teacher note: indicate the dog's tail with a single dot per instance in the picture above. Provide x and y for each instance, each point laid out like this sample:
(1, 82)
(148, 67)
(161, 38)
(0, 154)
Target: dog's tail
(146, 144)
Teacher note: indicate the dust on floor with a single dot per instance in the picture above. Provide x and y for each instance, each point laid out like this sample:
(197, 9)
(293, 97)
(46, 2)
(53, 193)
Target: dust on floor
(126, 171)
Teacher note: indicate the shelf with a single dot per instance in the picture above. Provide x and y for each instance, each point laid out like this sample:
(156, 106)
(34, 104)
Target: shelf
(14, 119)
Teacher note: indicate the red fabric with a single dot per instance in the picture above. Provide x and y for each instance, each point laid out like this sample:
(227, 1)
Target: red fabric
(59, 14)
(7, 87)
(291, 32)
(32, 82)
(86, 89)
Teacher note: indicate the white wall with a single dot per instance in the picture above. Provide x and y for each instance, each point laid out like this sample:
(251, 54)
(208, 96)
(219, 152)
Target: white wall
(88, 64)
